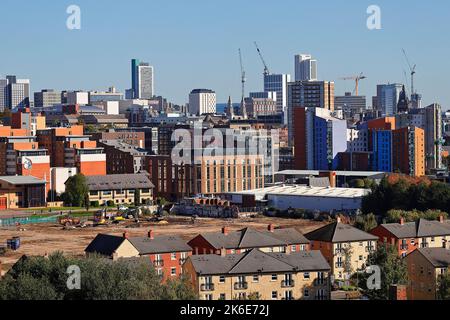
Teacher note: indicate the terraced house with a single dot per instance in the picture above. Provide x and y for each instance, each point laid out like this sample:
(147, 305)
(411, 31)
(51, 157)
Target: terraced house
(267, 276)
(345, 247)
(167, 253)
(425, 266)
(120, 188)
(407, 237)
(270, 240)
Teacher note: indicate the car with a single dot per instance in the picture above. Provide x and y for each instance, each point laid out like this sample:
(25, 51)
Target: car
(123, 208)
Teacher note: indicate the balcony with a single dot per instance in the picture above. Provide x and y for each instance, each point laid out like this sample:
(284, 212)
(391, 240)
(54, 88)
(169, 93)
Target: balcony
(182, 261)
(158, 263)
(208, 287)
(287, 283)
(241, 286)
(319, 282)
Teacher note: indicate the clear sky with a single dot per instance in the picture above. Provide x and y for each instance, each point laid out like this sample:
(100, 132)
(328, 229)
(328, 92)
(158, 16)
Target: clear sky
(194, 44)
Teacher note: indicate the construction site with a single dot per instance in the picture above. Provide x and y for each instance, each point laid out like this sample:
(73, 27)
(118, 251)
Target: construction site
(45, 238)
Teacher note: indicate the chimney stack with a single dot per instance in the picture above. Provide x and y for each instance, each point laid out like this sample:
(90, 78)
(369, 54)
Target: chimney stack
(338, 219)
(151, 235)
(288, 249)
(441, 218)
(225, 230)
(126, 235)
(402, 221)
(271, 228)
(223, 252)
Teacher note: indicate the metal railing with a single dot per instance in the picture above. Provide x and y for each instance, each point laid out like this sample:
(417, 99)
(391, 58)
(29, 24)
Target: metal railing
(287, 283)
(241, 286)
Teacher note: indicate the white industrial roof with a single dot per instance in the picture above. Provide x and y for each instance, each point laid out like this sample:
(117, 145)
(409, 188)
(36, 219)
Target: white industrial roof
(338, 173)
(297, 190)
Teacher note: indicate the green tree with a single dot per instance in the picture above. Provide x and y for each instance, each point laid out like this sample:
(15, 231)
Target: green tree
(77, 191)
(444, 286)
(366, 222)
(393, 271)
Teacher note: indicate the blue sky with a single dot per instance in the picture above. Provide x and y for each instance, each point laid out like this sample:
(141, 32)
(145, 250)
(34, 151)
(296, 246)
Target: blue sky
(195, 43)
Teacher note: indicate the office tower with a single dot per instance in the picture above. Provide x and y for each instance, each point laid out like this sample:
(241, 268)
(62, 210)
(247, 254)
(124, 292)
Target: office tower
(3, 94)
(430, 120)
(318, 139)
(309, 94)
(350, 104)
(264, 95)
(47, 98)
(110, 95)
(305, 68)
(387, 98)
(142, 80)
(78, 97)
(278, 83)
(18, 93)
(408, 151)
(202, 101)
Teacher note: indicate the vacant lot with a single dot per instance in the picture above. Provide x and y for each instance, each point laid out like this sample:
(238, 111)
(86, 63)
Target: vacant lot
(40, 239)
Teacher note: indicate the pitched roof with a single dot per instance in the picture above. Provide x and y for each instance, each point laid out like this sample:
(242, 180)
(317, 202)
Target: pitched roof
(251, 238)
(104, 244)
(438, 257)
(160, 244)
(256, 261)
(418, 229)
(119, 181)
(339, 232)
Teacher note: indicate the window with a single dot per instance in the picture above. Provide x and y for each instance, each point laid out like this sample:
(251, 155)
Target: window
(222, 296)
(361, 258)
(306, 275)
(274, 295)
(306, 292)
(173, 271)
(173, 256)
(294, 248)
(222, 279)
(255, 278)
(274, 277)
(208, 297)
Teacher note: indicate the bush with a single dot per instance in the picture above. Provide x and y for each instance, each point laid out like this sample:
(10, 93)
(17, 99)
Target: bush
(95, 204)
(110, 203)
(394, 216)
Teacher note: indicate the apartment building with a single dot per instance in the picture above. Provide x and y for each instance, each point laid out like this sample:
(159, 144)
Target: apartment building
(270, 240)
(167, 253)
(345, 247)
(409, 236)
(408, 151)
(69, 147)
(122, 158)
(425, 266)
(267, 276)
(120, 188)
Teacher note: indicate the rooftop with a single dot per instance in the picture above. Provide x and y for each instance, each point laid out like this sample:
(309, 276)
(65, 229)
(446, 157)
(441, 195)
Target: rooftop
(338, 173)
(339, 232)
(160, 244)
(438, 257)
(418, 229)
(119, 181)
(22, 180)
(256, 261)
(297, 190)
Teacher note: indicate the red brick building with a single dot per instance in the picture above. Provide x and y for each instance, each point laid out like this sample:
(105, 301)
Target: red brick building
(271, 240)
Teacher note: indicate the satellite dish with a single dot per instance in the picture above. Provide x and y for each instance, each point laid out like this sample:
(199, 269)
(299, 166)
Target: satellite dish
(27, 164)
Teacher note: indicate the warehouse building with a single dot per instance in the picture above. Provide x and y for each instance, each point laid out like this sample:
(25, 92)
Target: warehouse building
(285, 197)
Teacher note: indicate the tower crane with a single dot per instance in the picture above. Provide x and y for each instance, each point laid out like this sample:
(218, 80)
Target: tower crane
(412, 69)
(357, 79)
(243, 77)
(266, 69)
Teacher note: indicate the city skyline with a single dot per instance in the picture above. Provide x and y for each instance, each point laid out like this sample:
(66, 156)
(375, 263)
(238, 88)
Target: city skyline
(190, 54)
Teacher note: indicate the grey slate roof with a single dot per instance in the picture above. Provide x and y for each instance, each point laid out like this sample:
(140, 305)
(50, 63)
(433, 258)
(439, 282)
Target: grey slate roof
(256, 261)
(119, 182)
(160, 244)
(104, 244)
(438, 257)
(251, 238)
(339, 232)
(419, 229)
(22, 180)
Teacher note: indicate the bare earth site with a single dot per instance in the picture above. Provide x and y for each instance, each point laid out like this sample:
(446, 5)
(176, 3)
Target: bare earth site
(39, 239)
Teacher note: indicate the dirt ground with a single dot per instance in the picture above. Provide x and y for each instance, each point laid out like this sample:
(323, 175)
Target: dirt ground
(40, 239)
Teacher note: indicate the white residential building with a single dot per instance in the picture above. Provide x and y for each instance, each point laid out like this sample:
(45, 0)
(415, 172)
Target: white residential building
(202, 101)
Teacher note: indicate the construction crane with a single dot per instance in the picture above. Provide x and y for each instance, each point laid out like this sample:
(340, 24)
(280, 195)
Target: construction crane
(412, 69)
(266, 69)
(243, 77)
(357, 79)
